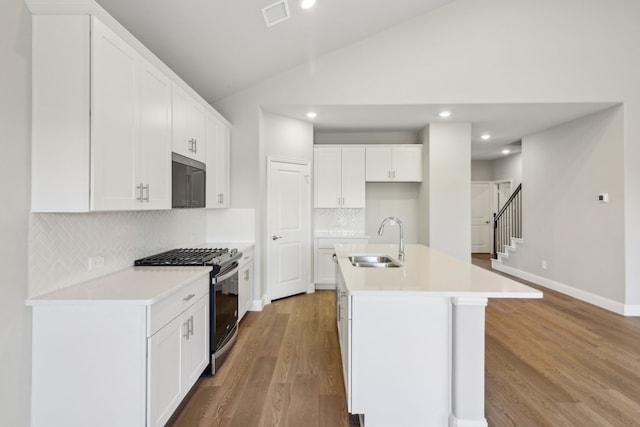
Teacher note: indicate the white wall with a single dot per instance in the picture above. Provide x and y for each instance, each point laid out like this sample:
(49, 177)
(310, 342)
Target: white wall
(494, 51)
(450, 188)
(15, 134)
(391, 199)
(365, 137)
(481, 170)
(508, 168)
(582, 240)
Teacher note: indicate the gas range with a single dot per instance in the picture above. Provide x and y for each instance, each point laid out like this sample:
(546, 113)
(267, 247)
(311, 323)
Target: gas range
(218, 258)
(223, 292)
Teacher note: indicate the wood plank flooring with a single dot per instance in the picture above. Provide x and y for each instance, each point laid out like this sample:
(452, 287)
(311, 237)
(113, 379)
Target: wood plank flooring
(550, 362)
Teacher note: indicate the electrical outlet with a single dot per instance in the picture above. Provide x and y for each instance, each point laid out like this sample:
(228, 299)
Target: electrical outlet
(543, 264)
(96, 262)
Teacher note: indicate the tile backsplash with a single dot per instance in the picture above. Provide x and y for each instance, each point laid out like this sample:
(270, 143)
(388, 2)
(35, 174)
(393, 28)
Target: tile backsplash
(60, 245)
(339, 221)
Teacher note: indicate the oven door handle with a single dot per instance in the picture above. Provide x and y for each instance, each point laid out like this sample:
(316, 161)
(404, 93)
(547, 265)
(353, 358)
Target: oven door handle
(226, 275)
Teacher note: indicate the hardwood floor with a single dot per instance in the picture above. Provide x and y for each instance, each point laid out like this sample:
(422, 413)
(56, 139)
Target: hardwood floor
(285, 370)
(550, 362)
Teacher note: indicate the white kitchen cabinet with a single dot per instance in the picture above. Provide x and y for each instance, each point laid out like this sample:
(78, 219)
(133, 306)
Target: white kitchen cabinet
(101, 120)
(178, 353)
(188, 126)
(343, 317)
(121, 350)
(325, 266)
(245, 278)
(218, 137)
(339, 173)
(394, 163)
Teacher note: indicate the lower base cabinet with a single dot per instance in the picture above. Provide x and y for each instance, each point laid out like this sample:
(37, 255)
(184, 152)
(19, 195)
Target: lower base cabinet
(245, 282)
(178, 353)
(106, 363)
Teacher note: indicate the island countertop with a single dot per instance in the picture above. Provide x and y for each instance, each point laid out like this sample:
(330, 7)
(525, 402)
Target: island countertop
(425, 271)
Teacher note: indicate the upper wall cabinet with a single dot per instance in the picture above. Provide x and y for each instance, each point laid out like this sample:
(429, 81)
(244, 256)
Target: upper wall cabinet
(188, 126)
(394, 163)
(218, 138)
(101, 121)
(339, 176)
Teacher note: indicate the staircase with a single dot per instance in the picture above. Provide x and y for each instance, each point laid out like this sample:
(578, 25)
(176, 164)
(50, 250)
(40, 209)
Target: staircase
(507, 226)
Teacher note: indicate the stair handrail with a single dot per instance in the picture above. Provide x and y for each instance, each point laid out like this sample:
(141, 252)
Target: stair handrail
(507, 228)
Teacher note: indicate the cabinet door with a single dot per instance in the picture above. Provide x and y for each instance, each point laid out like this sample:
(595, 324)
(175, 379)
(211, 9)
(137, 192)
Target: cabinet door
(195, 343)
(164, 388)
(218, 137)
(378, 163)
(245, 292)
(197, 131)
(325, 267)
(114, 131)
(327, 182)
(154, 156)
(344, 333)
(188, 137)
(407, 163)
(352, 174)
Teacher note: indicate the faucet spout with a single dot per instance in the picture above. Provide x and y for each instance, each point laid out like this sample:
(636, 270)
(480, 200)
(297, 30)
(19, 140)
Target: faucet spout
(401, 243)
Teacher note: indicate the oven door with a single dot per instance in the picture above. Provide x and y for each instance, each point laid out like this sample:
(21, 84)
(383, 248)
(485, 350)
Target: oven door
(226, 305)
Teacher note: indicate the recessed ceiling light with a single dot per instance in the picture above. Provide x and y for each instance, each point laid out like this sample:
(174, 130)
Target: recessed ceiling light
(445, 114)
(312, 115)
(505, 151)
(307, 4)
(485, 136)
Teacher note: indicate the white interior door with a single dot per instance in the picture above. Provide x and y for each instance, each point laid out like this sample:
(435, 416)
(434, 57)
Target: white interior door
(289, 250)
(481, 238)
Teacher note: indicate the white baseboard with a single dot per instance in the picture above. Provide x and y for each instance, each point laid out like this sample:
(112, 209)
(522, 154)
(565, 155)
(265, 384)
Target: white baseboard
(325, 286)
(591, 298)
(458, 422)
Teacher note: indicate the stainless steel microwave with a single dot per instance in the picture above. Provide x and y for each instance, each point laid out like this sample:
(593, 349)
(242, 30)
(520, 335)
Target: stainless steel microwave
(188, 182)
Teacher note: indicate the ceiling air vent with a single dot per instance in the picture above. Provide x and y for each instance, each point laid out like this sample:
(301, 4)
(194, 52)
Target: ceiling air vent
(276, 13)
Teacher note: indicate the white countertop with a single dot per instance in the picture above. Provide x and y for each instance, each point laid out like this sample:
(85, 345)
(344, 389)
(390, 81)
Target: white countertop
(136, 285)
(425, 271)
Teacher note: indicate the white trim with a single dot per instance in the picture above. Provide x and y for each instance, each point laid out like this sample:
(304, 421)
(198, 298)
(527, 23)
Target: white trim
(256, 305)
(591, 298)
(457, 422)
(325, 286)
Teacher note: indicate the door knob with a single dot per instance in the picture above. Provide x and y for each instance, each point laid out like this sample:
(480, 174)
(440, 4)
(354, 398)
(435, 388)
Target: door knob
(276, 237)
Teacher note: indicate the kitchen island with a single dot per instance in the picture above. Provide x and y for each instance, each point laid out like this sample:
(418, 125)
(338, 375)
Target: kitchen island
(412, 336)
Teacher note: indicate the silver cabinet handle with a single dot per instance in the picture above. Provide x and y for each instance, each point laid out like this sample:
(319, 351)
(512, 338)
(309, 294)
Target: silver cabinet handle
(191, 325)
(394, 174)
(276, 237)
(220, 198)
(145, 199)
(186, 329)
(192, 145)
(246, 275)
(140, 198)
(188, 297)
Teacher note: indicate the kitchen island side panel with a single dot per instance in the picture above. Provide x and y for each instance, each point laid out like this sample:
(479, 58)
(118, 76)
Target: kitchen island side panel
(401, 353)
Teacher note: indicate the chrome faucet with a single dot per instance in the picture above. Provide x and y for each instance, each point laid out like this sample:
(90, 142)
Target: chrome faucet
(401, 244)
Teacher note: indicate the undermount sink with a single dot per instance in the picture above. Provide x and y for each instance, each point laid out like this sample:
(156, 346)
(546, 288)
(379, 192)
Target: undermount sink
(373, 261)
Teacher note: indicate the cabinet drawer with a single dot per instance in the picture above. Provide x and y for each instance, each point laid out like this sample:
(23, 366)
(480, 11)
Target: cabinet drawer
(164, 311)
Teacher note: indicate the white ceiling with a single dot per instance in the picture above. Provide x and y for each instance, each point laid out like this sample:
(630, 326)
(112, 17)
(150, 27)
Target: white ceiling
(220, 47)
(506, 123)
